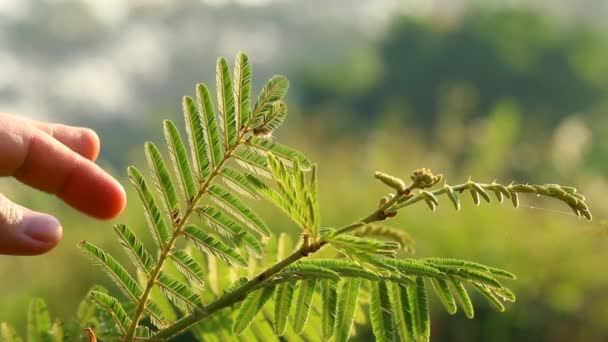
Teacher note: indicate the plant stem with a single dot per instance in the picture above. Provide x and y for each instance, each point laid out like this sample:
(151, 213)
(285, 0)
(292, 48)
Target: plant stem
(239, 294)
(242, 291)
(179, 225)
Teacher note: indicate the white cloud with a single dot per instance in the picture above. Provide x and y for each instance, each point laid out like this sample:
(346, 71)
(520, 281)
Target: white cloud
(94, 83)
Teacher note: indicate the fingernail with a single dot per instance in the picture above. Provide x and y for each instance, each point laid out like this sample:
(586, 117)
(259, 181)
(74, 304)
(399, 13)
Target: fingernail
(42, 228)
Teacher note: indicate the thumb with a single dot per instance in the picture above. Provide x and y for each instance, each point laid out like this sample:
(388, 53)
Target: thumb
(26, 232)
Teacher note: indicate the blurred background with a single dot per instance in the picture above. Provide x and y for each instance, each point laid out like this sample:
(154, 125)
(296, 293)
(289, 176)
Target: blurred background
(506, 90)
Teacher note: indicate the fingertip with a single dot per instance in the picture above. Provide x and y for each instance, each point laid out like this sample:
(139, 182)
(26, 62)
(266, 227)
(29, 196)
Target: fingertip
(95, 193)
(90, 144)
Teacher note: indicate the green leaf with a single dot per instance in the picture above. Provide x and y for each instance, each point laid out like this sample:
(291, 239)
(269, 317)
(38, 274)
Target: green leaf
(343, 267)
(8, 333)
(282, 304)
(380, 312)
(179, 158)
(187, 265)
(179, 293)
(195, 130)
(238, 182)
(420, 306)
(38, 322)
(252, 162)
(303, 302)
(382, 247)
(57, 331)
(226, 226)
(250, 307)
(237, 283)
(346, 306)
(212, 245)
(274, 117)
(487, 293)
(457, 263)
(162, 179)
(305, 270)
(134, 248)
(463, 297)
(238, 209)
(329, 296)
(402, 313)
(442, 289)
(274, 90)
(414, 267)
(213, 139)
(114, 269)
(225, 100)
(277, 199)
(242, 89)
(113, 305)
(85, 315)
(153, 214)
(264, 146)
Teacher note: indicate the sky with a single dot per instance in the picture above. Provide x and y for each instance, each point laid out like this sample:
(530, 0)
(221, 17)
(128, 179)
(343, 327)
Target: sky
(60, 58)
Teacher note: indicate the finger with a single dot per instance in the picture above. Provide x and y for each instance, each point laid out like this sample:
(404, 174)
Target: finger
(83, 141)
(39, 160)
(26, 232)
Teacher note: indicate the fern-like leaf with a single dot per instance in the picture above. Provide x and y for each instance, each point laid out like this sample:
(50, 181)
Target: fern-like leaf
(420, 307)
(346, 306)
(274, 90)
(402, 313)
(249, 309)
(463, 298)
(116, 310)
(238, 209)
(273, 118)
(242, 89)
(306, 270)
(442, 289)
(38, 322)
(490, 296)
(264, 146)
(226, 226)
(134, 248)
(188, 266)
(225, 100)
(329, 296)
(153, 214)
(114, 269)
(179, 293)
(252, 162)
(213, 139)
(195, 130)
(179, 158)
(380, 312)
(303, 302)
(238, 182)
(343, 267)
(162, 179)
(282, 304)
(214, 246)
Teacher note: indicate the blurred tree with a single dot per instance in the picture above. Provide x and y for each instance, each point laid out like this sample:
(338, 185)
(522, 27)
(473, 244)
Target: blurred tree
(547, 70)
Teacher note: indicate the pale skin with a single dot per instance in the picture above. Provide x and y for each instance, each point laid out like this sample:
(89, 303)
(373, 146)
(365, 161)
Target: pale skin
(57, 159)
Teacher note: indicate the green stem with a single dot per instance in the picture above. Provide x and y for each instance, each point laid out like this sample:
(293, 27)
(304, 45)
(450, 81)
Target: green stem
(179, 225)
(239, 294)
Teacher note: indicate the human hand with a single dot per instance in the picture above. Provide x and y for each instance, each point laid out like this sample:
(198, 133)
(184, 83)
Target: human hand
(57, 159)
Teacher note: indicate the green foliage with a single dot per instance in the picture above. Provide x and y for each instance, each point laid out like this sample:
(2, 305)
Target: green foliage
(227, 273)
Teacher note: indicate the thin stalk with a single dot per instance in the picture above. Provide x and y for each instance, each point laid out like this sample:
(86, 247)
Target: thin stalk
(179, 225)
(239, 294)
